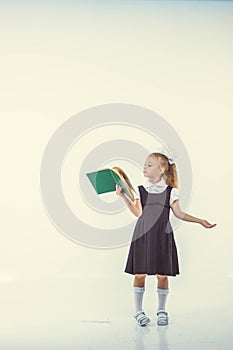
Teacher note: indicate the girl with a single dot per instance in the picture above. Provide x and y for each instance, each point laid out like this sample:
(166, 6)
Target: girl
(153, 248)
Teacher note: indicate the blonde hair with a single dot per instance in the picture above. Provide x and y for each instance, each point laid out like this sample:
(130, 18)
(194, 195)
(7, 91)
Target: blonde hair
(170, 170)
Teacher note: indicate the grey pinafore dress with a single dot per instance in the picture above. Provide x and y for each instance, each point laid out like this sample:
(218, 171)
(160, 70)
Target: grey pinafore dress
(153, 249)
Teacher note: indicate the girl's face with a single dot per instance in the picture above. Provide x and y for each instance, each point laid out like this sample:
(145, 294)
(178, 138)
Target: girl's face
(152, 168)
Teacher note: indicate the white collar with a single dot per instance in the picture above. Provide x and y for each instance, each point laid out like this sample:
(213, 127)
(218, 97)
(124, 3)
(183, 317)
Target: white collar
(160, 184)
(158, 187)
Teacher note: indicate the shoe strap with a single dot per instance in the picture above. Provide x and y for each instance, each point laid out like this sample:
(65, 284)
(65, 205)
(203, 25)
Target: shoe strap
(162, 312)
(139, 313)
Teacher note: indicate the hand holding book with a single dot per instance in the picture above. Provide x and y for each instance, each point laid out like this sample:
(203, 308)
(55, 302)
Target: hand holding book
(109, 180)
(118, 189)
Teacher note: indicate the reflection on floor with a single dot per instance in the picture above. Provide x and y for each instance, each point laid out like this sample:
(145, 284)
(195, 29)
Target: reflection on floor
(72, 314)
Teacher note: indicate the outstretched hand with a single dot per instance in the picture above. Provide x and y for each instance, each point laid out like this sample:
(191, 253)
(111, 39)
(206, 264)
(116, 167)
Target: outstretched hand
(206, 224)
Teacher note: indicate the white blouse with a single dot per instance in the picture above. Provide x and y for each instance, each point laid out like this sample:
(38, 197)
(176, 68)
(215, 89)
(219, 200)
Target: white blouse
(159, 187)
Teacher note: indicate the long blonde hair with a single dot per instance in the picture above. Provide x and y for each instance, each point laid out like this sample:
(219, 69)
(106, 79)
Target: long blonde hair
(170, 170)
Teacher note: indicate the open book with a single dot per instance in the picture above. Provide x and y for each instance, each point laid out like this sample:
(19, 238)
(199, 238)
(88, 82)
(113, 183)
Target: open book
(105, 180)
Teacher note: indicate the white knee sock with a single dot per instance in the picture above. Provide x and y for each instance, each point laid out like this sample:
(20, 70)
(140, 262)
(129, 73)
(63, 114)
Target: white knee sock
(138, 296)
(162, 298)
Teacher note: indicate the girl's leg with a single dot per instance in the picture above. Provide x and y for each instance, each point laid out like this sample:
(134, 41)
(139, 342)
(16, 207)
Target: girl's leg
(162, 289)
(139, 289)
(162, 281)
(139, 280)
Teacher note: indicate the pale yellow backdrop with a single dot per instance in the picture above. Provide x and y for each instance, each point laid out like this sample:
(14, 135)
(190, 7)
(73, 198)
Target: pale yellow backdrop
(58, 59)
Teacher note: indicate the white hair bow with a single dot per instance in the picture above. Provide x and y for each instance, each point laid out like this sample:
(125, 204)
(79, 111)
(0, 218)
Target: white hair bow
(167, 154)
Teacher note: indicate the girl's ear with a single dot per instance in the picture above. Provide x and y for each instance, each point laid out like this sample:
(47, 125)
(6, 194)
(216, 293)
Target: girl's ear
(162, 170)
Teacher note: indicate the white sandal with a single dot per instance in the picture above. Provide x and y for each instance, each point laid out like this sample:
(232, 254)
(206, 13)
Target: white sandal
(162, 318)
(141, 318)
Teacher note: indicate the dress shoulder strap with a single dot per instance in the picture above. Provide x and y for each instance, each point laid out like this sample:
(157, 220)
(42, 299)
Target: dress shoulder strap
(169, 189)
(143, 195)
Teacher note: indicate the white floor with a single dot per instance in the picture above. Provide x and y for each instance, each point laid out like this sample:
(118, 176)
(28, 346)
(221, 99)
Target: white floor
(68, 314)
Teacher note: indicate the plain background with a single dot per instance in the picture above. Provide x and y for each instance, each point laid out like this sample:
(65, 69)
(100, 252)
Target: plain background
(59, 58)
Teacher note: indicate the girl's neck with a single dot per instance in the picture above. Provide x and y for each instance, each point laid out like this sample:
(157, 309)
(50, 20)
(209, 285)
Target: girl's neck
(155, 180)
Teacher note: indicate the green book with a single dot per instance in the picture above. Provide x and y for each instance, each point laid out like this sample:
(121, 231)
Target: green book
(105, 180)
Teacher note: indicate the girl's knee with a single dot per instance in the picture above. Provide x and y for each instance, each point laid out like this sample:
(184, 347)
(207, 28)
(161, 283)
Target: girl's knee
(140, 276)
(161, 277)
(139, 280)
